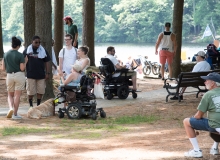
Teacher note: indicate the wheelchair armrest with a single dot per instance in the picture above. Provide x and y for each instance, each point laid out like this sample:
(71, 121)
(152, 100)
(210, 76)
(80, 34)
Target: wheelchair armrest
(122, 70)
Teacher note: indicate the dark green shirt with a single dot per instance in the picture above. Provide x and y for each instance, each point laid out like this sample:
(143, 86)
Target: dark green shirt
(12, 60)
(72, 29)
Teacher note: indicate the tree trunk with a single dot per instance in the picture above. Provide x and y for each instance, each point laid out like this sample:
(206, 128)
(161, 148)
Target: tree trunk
(58, 26)
(29, 21)
(88, 27)
(177, 29)
(43, 28)
(1, 38)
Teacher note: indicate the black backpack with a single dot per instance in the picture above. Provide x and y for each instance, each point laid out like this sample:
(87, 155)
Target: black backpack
(212, 50)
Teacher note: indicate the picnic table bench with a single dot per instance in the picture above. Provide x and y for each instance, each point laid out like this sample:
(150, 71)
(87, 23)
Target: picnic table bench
(186, 79)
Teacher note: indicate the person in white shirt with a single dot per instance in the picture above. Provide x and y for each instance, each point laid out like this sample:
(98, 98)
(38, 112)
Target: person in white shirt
(110, 55)
(67, 56)
(201, 66)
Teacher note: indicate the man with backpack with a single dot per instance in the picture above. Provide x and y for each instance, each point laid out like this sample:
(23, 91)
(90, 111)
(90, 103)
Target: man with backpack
(67, 56)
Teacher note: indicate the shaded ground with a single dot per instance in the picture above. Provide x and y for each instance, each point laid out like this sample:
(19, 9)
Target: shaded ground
(163, 138)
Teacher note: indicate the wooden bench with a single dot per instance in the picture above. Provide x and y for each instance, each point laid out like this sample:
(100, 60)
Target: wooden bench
(186, 79)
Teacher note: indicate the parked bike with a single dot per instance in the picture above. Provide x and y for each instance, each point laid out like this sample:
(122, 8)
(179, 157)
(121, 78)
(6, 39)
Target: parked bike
(150, 66)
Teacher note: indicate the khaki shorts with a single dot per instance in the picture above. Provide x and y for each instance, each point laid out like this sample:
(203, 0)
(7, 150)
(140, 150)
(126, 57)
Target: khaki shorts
(35, 86)
(15, 81)
(130, 73)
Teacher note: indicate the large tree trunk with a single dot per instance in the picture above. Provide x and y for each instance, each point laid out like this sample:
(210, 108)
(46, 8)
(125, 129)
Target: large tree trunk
(43, 28)
(29, 21)
(88, 27)
(177, 29)
(58, 26)
(1, 38)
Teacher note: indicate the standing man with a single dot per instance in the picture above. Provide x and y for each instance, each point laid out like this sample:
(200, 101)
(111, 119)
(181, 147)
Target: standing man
(167, 48)
(72, 29)
(67, 56)
(209, 104)
(37, 69)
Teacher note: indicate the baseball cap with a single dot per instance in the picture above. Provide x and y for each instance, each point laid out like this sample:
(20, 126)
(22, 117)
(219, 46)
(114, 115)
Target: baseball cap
(76, 67)
(212, 76)
(200, 53)
(67, 17)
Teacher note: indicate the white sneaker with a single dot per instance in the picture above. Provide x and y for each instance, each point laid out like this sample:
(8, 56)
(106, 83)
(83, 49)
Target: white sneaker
(214, 151)
(16, 117)
(10, 113)
(193, 153)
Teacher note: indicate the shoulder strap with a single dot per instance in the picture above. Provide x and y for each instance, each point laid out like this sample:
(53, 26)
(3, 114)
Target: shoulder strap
(76, 53)
(63, 52)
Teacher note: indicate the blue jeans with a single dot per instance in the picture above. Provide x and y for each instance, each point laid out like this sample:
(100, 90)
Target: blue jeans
(201, 124)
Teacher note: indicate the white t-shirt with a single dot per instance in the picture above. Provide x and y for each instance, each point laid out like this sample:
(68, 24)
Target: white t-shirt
(201, 66)
(114, 61)
(70, 57)
(80, 62)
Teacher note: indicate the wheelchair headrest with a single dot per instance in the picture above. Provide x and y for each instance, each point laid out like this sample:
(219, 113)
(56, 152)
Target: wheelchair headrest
(108, 66)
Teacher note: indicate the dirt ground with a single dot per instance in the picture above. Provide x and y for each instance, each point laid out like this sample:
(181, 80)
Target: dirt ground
(82, 139)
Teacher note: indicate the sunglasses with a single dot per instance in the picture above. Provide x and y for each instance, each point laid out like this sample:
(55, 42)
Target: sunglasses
(38, 42)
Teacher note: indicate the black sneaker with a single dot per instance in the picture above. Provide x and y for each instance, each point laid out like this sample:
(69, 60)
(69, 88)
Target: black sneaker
(176, 98)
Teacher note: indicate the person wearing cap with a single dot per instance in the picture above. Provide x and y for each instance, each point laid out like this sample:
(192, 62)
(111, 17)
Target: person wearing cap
(72, 29)
(201, 66)
(166, 43)
(73, 79)
(209, 104)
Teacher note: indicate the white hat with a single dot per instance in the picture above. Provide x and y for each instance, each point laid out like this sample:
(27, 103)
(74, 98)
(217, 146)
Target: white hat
(200, 53)
(76, 67)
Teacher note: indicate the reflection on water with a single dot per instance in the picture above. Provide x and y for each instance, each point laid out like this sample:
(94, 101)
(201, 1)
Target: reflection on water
(123, 51)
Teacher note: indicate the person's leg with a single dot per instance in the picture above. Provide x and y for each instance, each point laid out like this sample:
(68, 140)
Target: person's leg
(169, 61)
(134, 81)
(163, 58)
(170, 70)
(17, 96)
(41, 85)
(31, 90)
(11, 100)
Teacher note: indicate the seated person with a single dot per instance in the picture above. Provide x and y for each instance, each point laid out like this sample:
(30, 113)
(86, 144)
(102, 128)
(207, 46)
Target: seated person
(110, 55)
(201, 66)
(83, 60)
(73, 79)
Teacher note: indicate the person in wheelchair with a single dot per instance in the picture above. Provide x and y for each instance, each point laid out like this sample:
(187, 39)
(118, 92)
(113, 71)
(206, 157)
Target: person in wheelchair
(110, 55)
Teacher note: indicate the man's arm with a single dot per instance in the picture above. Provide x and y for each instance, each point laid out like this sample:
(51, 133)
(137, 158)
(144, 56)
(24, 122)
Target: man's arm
(3, 64)
(198, 115)
(120, 67)
(158, 42)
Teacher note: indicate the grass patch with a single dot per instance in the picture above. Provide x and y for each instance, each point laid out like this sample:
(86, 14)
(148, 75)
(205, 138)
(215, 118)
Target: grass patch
(136, 119)
(8, 131)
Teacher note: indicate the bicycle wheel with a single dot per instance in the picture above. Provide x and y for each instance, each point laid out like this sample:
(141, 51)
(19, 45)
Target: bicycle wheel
(156, 69)
(146, 69)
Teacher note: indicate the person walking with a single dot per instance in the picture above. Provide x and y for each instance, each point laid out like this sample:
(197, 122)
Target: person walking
(14, 63)
(166, 43)
(37, 69)
(72, 29)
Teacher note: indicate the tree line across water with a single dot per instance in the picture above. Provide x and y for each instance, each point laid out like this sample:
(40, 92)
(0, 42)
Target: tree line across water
(135, 21)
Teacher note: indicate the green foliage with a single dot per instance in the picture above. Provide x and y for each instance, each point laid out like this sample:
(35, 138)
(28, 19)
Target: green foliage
(122, 20)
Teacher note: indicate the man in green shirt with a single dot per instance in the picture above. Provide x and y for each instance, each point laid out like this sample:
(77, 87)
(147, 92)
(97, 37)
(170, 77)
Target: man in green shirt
(209, 103)
(72, 29)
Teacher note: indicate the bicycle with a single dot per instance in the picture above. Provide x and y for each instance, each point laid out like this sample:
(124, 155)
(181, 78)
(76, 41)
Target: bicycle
(150, 66)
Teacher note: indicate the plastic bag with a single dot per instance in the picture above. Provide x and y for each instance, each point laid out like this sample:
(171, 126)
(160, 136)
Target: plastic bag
(98, 92)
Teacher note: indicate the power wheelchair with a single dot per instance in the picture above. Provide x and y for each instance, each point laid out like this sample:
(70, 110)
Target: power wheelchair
(79, 99)
(115, 86)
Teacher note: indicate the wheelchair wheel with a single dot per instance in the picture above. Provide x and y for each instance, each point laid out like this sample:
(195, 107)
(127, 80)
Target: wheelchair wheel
(74, 111)
(102, 114)
(60, 114)
(134, 95)
(109, 95)
(94, 115)
(123, 92)
(146, 70)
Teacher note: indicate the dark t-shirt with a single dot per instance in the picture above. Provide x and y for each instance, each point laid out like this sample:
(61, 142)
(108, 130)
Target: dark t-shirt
(12, 60)
(72, 29)
(35, 67)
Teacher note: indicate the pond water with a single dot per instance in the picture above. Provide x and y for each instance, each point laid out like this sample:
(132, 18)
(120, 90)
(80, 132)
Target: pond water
(124, 50)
